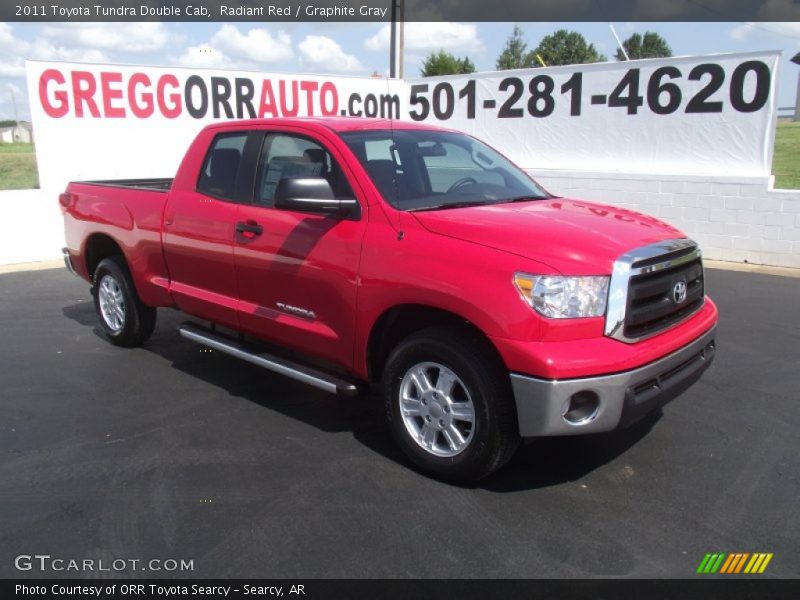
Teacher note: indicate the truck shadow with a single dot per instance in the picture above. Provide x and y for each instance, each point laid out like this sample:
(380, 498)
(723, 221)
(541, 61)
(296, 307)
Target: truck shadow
(547, 462)
(542, 463)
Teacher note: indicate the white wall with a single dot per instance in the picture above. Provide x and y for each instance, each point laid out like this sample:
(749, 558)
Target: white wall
(733, 219)
(31, 227)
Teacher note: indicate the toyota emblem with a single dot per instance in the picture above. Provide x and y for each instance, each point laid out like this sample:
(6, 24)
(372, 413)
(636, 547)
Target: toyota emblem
(679, 292)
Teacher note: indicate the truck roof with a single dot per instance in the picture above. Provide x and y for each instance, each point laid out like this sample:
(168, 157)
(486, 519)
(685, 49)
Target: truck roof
(337, 124)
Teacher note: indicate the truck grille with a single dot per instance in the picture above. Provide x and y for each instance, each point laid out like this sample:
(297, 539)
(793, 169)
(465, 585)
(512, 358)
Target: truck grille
(652, 302)
(653, 288)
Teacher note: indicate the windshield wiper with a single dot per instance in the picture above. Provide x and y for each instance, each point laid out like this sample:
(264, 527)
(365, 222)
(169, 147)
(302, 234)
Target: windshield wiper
(449, 205)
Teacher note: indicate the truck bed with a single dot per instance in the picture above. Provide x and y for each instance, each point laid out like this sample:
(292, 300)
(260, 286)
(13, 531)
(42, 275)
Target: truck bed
(152, 185)
(129, 212)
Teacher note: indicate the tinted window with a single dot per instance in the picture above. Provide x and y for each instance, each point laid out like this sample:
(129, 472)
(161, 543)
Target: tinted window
(285, 155)
(219, 175)
(428, 170)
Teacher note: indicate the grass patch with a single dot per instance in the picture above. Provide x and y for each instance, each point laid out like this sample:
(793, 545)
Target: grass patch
(18, 167)
(786, 160)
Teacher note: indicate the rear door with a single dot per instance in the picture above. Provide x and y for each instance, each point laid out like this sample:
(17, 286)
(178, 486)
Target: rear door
(200, 226)
(297, 272)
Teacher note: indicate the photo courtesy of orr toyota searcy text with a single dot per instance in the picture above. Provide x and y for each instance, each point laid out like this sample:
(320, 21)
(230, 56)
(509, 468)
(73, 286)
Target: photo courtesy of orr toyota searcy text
(139, 590)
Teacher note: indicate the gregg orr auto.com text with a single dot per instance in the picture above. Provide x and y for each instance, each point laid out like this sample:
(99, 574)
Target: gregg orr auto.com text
(112, 94)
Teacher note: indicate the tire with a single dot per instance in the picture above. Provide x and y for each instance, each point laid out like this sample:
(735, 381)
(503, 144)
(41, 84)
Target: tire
(458, 450)
(124, 319)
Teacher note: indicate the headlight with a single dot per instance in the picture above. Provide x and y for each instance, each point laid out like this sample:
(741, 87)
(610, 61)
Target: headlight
(559, 297)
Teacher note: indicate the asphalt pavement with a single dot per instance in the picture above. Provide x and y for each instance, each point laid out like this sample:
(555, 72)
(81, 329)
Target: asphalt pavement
(171, 452)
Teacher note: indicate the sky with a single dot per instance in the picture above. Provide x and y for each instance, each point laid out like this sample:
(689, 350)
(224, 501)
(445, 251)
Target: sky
(344, 48)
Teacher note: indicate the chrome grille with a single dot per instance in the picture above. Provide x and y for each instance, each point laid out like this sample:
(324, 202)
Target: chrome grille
(653, 288)
(651, 298)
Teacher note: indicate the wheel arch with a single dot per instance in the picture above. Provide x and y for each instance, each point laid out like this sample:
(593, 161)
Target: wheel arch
(400, 321)
(99, 246)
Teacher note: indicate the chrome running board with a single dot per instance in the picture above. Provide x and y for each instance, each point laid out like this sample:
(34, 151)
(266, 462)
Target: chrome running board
(234, 347)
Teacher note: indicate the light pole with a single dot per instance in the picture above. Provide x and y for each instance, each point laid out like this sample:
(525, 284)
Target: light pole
(796, 60)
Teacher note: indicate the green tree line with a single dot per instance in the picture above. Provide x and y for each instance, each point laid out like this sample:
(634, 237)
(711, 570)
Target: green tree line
(561, 47)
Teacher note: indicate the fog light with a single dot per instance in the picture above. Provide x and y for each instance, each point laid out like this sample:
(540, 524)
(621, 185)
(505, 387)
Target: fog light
(582, 407)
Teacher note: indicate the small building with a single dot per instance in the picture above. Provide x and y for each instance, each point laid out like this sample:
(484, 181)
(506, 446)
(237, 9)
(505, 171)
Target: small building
(21, 132)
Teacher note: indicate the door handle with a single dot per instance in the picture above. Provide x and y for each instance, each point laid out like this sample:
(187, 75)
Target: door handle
(249, 229)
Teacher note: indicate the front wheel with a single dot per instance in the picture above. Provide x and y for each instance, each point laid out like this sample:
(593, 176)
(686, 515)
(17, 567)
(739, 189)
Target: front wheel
(123, 317)
(449, 405)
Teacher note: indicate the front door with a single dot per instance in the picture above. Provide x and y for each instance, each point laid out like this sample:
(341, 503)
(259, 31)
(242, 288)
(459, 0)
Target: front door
(296, 272)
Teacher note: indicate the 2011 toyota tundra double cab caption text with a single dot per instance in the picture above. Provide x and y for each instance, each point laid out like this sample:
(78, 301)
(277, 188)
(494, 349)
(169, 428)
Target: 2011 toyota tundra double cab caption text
(349, 252)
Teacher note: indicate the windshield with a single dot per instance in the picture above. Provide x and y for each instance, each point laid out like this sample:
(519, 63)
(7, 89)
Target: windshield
(433, 170)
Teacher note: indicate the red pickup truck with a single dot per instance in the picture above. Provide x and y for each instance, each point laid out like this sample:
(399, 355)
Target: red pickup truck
(350, 252)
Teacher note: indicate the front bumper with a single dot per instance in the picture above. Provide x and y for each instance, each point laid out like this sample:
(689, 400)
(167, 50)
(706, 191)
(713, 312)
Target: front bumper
(621, 398)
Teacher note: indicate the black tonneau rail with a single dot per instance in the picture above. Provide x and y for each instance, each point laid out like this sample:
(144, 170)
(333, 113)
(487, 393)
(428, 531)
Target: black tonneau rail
(152, 185)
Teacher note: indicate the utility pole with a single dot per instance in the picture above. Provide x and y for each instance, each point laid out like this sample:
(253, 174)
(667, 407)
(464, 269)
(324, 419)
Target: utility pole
(393, 42)
(796, 60)
(398, 13)
(402, 36)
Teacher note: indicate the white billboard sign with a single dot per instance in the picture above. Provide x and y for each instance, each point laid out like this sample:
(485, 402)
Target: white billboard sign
(694, 115)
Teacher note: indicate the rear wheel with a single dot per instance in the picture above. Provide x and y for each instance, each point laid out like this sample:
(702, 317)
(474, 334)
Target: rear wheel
(123, 317)
(449, 405)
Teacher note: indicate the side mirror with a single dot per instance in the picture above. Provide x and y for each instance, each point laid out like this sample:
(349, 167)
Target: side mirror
(311, 194)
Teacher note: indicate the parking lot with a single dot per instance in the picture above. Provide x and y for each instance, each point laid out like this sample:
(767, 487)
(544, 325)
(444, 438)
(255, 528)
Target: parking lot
(171, 452)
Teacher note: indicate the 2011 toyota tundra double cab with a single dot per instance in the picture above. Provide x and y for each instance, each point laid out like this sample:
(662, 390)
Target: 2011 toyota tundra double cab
(346, 253)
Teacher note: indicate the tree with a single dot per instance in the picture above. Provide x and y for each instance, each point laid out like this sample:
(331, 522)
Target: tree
(566, 48)
(651, 45)
(513, 55)
(467, 66)
(444, 63)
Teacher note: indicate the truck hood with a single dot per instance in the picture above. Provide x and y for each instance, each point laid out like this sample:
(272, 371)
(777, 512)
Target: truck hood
(574, 237)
